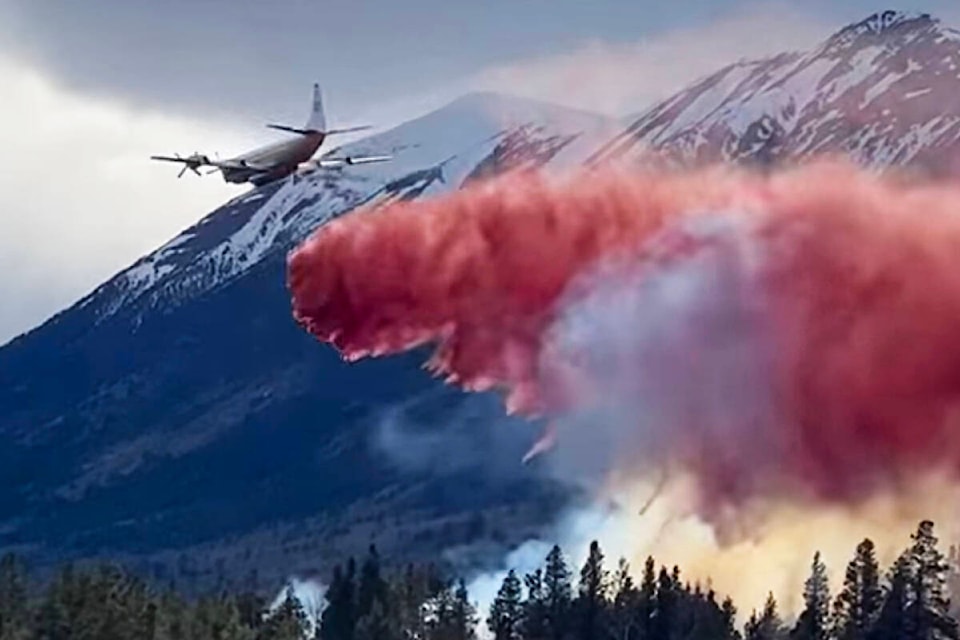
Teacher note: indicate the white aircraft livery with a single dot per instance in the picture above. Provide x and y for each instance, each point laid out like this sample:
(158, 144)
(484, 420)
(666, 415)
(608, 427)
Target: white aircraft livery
(279, 159)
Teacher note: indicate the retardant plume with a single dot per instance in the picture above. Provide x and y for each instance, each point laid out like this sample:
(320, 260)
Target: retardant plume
(783, 335)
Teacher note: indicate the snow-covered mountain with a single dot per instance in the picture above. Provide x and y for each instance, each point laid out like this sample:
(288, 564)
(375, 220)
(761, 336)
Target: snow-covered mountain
(883, 91)
(178, 417)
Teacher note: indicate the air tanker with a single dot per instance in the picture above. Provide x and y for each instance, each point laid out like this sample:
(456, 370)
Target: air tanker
(282, 158)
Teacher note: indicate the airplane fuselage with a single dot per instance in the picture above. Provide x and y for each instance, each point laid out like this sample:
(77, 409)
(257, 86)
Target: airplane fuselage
(284, 156)
(278, 160)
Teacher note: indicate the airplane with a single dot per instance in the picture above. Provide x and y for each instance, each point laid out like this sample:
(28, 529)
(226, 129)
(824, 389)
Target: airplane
(279, 159)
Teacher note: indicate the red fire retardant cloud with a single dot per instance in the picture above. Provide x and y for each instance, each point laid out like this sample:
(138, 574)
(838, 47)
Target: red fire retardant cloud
(857, 280)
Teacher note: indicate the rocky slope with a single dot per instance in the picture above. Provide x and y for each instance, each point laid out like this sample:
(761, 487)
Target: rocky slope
(883, 91)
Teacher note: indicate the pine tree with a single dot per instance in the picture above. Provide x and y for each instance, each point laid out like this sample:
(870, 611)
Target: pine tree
(535, 621)
(417, 586)
(891, 621)
(453, 615)
(667, 602)
(376, 624)
(465, 613)
(953, 578)
(287, 622)
(704, 619)
(813, 621)
(768, 626)
(729, 612)
(625, 622)
(648, 598)
(751, 627)
(219, 619)
(506, 611)
(591, 604)
(558, 594)
(928, 614)
(338, 620)
(372, 586)
(857, 606)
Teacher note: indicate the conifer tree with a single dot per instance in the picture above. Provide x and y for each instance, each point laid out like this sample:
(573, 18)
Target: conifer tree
(591, 602)
(953, 579)
(535, 620)
(465, 613)
(339, 617)
(372, 586)
(648, 597)
(625, 622)
(506, 611)
(376, 624)
(928, 612)
(287, 622)
(813, 621)
(751, 627)
(410, 592)
(665, 613)
(250, 609)
(218, 618)
(729, 613)
(558, 593)
(857, 606)
(769, 625)
(891, 621)
(454, 616)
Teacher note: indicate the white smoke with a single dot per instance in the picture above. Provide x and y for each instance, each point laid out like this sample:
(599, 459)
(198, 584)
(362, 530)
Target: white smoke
(666, 355)
(573, 532)
(311, 595)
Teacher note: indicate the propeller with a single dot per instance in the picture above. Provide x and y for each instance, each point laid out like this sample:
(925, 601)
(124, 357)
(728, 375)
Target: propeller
(193, 162)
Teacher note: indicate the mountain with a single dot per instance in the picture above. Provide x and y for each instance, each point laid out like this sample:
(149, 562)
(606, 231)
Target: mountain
(882, 91)
(178, 419)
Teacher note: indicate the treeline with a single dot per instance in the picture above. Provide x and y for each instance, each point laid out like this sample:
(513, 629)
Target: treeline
(909, 601)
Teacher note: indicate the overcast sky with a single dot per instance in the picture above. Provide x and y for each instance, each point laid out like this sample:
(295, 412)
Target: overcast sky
(91, 88)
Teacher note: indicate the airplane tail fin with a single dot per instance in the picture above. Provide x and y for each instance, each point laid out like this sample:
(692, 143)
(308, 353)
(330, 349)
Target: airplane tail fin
(317, 120)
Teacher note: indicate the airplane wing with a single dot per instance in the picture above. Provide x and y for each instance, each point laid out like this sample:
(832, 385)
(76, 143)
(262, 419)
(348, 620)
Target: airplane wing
(350, 160)
(331, 132)
(197, 160)
(364, 127)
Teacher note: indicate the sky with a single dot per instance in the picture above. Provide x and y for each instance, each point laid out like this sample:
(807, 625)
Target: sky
(92, 88)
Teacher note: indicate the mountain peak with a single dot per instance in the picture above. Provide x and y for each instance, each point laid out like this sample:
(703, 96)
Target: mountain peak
(883, 22)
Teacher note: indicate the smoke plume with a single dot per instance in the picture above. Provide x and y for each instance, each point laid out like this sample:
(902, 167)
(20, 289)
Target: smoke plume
(781, 337)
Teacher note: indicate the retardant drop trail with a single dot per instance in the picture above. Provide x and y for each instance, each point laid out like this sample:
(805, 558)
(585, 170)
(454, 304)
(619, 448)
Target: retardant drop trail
(795, 333)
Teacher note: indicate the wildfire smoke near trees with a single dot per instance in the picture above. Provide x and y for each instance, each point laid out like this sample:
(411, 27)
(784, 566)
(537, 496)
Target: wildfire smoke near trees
(601, 600)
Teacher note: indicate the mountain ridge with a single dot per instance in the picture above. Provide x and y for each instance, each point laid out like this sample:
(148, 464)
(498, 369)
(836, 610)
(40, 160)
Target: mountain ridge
(875, 91)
